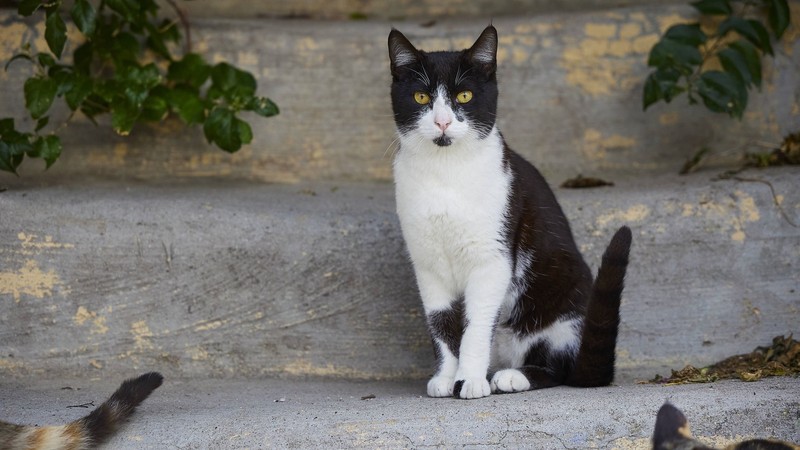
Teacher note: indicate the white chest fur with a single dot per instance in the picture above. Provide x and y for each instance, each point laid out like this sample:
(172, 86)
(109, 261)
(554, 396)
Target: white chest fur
(451, 202)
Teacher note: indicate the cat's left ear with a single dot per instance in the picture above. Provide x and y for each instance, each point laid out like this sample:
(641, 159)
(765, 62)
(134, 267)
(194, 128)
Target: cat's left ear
(483, 52)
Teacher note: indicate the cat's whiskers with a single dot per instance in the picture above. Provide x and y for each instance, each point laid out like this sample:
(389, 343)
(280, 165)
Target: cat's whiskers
(391, 151)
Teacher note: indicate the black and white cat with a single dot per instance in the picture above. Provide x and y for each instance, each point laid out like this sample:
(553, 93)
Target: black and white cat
(504, 287)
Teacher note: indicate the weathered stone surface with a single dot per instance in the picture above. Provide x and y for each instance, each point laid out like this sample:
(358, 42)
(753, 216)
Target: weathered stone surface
(228, 279)
(331, 414)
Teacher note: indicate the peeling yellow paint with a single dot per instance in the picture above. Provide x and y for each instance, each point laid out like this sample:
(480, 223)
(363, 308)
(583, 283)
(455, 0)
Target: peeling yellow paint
(29, 280)
(595, 63)
(141, 335)
(665, 22)
(302, 367)
(747, 207)
(102, 158)
(197, 354)
(32, 242)
(630, 30)
(99, 322)
(600, 30)
(212, 325)
(635, 213)
(10, 365)
(596, 146)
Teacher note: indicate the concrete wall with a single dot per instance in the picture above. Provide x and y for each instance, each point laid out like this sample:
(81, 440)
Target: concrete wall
(570, 100)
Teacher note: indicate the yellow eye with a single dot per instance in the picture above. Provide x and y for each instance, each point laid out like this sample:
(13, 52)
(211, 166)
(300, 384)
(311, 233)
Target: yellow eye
(464, 96)
(422, 98)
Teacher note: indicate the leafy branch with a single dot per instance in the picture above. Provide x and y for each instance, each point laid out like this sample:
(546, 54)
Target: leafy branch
(108, 75)
(684, 57)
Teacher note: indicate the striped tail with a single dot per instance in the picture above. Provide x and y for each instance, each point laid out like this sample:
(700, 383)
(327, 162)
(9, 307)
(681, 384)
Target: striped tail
(88, 431)
(594, 365)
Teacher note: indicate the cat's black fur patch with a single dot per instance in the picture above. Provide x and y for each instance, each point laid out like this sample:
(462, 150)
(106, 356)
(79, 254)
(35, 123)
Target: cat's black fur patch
(448, 326)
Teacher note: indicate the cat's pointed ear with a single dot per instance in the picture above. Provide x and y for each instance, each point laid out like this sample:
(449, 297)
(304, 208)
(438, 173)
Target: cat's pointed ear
(671, 427)
(401, 52)
(484, 51)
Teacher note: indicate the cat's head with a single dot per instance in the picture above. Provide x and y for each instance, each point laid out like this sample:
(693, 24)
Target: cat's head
(445, 97)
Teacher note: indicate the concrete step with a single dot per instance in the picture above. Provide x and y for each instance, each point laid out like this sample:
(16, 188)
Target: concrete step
(570, 99)
(329, 414)
(232, 279)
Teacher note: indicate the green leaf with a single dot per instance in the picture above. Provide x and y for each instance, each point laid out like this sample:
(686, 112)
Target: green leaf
(722, 92)
(124, 47)
(16, 57)
(187, 104)
(779, 16)
(82, 58)
(39, 95)
(234, 84)
(223, 129)
(669, 53)
(137, 81)
(9, 161)
(752, 30)
(46, 60)
(713, 7)
(13, 146)
(751, 58)
(129, 9)
(245, 132)
(736, 64)
(84, 16)
(123, 115)
(55, 33)
(158, 36)
(41, 123)
(48, 148)
(262, 106)
(662, 84)
(78, 92)
(191, 70)
(7, 126)
(155, 108)
(686, 34)
(28, 7)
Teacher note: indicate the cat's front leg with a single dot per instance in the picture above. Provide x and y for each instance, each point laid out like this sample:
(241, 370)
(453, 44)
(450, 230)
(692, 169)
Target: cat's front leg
(445, 316)
(483, 297)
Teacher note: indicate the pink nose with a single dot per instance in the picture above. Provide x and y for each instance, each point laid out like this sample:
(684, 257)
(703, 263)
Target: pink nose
(443, 124)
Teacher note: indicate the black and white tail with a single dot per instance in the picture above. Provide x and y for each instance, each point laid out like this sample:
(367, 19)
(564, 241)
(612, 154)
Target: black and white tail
(594, 365)
(88, 431)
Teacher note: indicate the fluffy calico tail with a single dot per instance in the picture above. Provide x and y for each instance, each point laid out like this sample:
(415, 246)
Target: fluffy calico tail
(594, 365)
(88, 431)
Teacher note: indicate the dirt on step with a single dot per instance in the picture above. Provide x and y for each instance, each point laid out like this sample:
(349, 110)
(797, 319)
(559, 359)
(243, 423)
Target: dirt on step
(779, 359)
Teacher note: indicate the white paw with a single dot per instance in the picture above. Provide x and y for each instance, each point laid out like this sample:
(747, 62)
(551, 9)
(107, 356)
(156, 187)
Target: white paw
(473, 388)
(440, 386)
(510, 380)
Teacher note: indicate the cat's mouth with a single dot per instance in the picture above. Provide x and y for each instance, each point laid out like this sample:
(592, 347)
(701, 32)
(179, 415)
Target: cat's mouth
(443, 140)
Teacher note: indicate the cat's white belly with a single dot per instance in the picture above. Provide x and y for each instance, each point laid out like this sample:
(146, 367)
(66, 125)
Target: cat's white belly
(452, 211)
